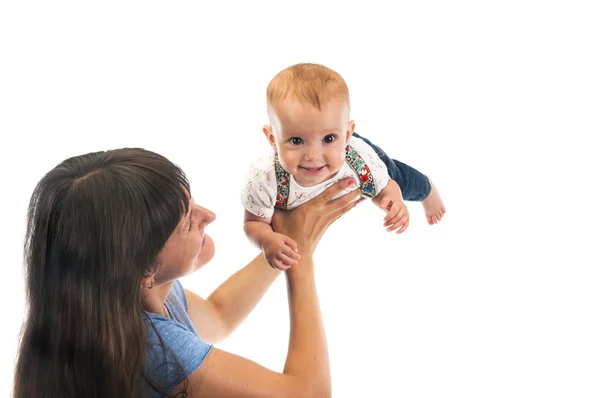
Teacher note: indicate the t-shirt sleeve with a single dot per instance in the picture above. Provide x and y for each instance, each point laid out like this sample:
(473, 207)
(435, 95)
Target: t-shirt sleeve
(181, 355)
(376, 165)
(259, 192)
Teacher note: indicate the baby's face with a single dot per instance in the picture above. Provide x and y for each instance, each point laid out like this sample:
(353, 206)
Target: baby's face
(311, 143)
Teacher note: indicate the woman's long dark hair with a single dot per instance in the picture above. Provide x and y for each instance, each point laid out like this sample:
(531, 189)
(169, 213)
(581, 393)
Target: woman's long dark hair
(95, 226)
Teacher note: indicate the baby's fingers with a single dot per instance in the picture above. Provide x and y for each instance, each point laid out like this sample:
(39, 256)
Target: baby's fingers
(290, 243)
(285, 261)
(392, 221)
(402, 224)
(290, 253)
(277, 264)
(393, 214)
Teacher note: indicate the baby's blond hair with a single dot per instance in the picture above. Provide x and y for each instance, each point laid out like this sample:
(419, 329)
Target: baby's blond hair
(311, 84)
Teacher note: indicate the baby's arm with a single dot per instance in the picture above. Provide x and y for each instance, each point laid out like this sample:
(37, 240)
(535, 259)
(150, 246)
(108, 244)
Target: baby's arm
(390, 200)
(279, 250)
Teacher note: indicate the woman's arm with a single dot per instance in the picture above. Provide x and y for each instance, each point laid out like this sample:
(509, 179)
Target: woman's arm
(218, 316)
(306, 371)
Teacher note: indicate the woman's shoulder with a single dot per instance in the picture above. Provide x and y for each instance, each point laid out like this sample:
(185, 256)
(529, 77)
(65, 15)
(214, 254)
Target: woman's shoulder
(173, 350)
(177, 294)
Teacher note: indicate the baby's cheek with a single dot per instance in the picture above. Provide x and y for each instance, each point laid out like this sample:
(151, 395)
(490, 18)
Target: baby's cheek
(287, 164)
(339, 162)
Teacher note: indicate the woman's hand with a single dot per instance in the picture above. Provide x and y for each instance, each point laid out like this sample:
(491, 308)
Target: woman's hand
(306, 372)
(307, 223)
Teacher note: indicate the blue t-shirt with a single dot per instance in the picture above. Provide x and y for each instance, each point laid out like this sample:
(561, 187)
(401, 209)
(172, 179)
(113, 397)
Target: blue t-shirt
(183, 345)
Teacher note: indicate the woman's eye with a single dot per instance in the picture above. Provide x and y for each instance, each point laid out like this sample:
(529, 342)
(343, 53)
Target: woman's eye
(329, 139)
(191, 223)
(296, 141)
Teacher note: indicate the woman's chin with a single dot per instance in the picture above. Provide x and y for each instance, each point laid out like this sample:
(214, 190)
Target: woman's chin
(207, 252)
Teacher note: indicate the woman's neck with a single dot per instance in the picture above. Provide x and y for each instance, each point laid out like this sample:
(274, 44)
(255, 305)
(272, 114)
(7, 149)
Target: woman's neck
(154, 299)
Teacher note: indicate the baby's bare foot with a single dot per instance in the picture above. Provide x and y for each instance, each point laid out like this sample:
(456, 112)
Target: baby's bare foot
(433, 205)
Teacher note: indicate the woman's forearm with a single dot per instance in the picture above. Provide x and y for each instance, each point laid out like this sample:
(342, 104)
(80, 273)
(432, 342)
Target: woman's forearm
(239, 294)
(307, 352)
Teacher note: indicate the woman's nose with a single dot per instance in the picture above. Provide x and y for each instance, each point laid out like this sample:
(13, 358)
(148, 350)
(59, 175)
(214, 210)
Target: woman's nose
(207, 215)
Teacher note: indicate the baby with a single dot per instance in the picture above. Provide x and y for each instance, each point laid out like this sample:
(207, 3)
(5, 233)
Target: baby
(314, 145)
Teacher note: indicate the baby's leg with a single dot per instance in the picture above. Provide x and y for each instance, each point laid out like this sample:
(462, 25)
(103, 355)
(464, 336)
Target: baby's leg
(415, 186)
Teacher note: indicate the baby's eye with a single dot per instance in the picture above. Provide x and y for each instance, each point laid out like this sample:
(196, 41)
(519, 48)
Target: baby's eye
(329, 138)
(296, 140)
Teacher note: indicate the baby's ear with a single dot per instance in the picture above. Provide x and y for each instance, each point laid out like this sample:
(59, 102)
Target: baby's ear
(351, 126)
(269, 134)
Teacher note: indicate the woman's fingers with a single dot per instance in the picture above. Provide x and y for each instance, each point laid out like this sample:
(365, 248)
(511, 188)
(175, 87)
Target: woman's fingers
(340, 211)
(305, 224)
(332, 191)
(341, 202)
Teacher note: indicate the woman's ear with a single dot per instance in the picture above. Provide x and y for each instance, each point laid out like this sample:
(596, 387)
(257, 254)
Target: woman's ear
(148, 281)
(149, 278)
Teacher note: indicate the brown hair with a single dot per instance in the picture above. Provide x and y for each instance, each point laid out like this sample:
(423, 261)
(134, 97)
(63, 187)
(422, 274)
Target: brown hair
(311, 84)
(95, 226)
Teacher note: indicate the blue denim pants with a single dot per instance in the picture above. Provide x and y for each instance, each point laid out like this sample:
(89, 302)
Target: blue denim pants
(413, 184)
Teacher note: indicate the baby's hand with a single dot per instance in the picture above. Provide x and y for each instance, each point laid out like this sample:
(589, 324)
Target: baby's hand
(280, 251)
(397, 217)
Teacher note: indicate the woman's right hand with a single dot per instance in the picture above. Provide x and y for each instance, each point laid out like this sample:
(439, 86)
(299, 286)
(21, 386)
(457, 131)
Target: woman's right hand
(306, 372)
(307, 223)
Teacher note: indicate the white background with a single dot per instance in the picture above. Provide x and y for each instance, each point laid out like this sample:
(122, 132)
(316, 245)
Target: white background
(496, 101)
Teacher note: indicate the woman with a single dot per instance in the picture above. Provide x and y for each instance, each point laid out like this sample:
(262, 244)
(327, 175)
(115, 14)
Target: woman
(108, 236)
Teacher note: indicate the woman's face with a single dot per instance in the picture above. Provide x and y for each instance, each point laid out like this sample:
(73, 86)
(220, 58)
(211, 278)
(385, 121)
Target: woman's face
(188, 248)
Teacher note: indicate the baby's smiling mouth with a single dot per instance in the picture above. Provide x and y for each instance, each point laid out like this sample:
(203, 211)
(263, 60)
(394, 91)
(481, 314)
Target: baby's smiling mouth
(312, 169)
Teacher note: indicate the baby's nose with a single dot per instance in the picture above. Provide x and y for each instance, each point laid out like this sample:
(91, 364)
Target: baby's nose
(312, 153)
